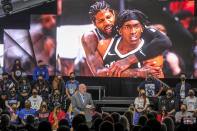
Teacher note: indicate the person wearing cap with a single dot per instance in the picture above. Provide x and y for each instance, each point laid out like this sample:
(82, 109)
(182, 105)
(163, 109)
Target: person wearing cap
(41, 69)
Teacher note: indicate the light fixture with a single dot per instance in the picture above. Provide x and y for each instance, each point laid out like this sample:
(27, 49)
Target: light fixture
(7, 6)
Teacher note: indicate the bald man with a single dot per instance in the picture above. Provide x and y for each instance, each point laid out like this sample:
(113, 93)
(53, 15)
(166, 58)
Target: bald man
(82, 103)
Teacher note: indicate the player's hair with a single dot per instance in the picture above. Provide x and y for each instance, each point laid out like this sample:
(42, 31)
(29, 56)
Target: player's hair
(96, 7)
(134, 14)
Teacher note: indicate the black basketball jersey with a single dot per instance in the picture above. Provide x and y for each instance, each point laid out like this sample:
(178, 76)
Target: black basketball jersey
(99, 35)
(112, 54)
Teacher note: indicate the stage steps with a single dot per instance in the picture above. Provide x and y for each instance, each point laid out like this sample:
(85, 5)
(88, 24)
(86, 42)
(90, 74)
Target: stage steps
(114, 104)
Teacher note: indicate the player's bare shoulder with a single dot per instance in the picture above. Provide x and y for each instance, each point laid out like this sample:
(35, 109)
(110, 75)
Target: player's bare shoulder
(89, 41)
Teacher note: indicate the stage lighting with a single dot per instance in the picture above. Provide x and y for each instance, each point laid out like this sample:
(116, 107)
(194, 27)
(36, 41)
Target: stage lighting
(7, 6)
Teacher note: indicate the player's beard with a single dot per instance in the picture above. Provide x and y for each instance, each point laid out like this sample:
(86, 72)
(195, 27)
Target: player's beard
(108, 35)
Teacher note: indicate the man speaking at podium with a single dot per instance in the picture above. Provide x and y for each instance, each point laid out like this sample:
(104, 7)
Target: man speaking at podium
(82, 103)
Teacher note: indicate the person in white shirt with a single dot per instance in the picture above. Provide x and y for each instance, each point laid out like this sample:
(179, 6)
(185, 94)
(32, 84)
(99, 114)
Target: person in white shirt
(191, 101)
(35, 100)
(141, 102)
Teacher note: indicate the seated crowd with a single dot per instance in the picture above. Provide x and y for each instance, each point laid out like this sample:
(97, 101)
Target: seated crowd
(39, 105)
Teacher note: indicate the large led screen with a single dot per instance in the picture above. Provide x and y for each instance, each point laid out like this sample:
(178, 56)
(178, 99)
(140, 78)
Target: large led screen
(85, 46)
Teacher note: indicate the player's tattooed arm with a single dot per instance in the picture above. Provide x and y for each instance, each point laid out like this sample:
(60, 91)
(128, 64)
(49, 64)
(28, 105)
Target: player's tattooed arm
(93, 58)
(141, 72)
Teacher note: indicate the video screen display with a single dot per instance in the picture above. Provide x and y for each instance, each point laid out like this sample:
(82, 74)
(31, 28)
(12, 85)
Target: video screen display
(92, 39)
(96, 47)
(30, 46)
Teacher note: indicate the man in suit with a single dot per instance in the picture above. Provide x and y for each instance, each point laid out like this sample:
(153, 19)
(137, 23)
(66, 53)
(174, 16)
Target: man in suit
(82, 103)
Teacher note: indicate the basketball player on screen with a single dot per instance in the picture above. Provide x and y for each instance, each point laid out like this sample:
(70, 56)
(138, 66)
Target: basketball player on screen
(103, 17)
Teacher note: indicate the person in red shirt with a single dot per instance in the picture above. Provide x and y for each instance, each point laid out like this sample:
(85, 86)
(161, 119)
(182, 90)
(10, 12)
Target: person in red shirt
(162, 114)
(55, 116)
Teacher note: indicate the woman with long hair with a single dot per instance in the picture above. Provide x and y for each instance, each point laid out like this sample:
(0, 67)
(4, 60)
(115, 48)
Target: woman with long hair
(141, 103)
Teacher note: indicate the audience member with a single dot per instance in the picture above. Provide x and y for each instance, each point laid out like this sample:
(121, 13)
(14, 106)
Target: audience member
(63, 128)
(115, 116)
(29, 126)
(142, 120)
(13, 98)
(58, 83)
(44, 126)
(124, 121)
(3, 97)
(55, 116)
(56, 99)
(153, 124)
(5, 123)
(6, 84)
(41, 69)
(129, 116)
(35, 99)
(14, 113)
(24, 90)
(17, 71)
(106, 126)
(43, 87)
(153, 89)
(169, 123)
(78, 119)
(141, 103)
(169, 101)
(43, 113)
(109, 118)
(71, 86)
(182, 88)
(191, 101)
(183, 113)
(162, 114)
(63, 122)
(25, 112)
(82, 127)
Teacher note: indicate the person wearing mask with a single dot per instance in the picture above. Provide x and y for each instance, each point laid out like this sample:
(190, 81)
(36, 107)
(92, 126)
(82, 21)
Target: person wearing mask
(191, 101)
(182, 88)
(25, 112)
(162, 114)
(43, 87)
(71, 86)
(141, 103)
(3, 98)
(58, 83)
(17, 71)
(56, 99)
(43, 113)
(183, 113)
(24, 89)
(14, 112)
(35, 100)
(41, 70)
(56, 115)
(153, 89)
(6, 84)
(169, 101)
(13, 98)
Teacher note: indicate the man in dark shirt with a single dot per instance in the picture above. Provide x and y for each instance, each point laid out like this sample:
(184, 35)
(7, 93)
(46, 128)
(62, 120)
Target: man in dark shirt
(153, 90)
(43, 87)
(169, 101)
(182, 88)
(24, 89)
(13, 98)
(6, 84)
